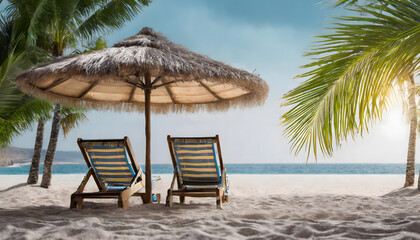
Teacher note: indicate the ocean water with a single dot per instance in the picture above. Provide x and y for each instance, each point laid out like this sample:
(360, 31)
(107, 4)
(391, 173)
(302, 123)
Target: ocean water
(71, 168)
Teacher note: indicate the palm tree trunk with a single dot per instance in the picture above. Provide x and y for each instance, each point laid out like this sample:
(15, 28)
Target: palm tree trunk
(410, 170)
(418, 182)
(49, 157)
(36, 158)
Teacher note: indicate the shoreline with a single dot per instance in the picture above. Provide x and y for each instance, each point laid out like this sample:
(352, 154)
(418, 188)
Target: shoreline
(29, 163)
(11, 162)
(286, 184)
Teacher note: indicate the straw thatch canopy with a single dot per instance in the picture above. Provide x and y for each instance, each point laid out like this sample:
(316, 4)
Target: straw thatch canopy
(113, 78)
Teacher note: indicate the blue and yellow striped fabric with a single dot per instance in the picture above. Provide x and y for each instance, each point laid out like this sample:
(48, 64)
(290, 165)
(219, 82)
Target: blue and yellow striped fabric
(110, 162)
(197, 162)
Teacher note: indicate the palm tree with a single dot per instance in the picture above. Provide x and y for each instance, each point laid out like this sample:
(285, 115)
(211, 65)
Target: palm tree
(410, 169)
(17, 110)
(67, 22)
(411, 92)
(354, 75)
(71, 118)
(55, 25)
(36, 157)
(49, 156)
(68, 119)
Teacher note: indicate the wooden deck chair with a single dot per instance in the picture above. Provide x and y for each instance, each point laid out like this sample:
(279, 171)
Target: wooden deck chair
(114, 168)
(196, 169)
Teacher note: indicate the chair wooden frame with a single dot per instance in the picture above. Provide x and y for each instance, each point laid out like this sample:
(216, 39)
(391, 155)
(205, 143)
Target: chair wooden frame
(137, 183)
(196, 189)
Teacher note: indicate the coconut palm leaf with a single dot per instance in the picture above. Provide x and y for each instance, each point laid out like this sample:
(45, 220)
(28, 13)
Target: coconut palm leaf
(36, 21)
(107, 16)
(94, 45)
(27, 15)
(353, 2)
(18, 111)
(354, 74)
(6, 32)
(71, 118)
(70, 21)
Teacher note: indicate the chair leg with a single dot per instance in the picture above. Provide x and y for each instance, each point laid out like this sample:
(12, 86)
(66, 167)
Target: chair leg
(76, 202)
(123, 203)
(219, 195)
(182, 199)
(143, 197)
(158, 197)
(169, 198)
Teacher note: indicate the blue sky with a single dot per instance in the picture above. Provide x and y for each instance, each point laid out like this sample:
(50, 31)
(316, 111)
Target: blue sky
(268, 36)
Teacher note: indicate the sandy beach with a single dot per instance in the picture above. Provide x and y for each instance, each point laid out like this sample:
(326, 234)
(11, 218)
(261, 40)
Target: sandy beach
(260, 207)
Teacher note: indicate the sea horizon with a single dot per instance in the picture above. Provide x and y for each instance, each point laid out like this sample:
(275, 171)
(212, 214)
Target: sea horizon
(240, 168)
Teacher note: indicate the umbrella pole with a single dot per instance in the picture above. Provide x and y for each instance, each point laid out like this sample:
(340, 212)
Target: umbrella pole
(147, 92)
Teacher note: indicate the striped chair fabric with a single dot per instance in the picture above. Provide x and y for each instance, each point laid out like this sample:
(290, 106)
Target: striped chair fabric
(197, 162)
(111, 164)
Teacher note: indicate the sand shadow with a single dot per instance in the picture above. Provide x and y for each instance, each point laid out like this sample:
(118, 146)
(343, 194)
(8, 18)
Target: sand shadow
(34, 212)
(14, 187)
(106, 211)
(403, 192)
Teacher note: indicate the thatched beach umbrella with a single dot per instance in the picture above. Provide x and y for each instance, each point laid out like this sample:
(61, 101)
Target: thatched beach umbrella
(145, 72)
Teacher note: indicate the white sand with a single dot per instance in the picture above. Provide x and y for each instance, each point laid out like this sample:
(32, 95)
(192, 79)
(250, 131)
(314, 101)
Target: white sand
(260, 207)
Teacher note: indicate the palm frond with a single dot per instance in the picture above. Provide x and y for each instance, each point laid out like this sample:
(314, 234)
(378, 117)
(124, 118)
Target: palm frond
(35, 21)
(97, 44)
(108, 16)
(18, 111)
(71, 118)
(353, 76)
(6, 34)
(355, 2)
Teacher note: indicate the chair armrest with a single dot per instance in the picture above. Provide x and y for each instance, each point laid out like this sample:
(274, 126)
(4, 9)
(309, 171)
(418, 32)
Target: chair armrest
(173, 181)
(134, 181)
(85, 180)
